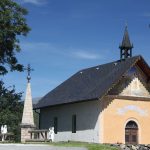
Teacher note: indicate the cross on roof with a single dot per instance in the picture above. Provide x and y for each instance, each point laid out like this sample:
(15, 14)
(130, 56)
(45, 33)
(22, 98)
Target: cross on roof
(29, 69)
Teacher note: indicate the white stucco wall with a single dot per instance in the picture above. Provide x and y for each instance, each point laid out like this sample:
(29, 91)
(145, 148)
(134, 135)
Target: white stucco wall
(87, 121)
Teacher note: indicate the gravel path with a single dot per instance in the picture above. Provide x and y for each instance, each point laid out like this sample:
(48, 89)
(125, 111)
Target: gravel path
(35, 147)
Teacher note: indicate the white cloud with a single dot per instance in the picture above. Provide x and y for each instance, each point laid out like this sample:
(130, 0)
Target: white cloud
(35, 2)
(28, 46)
(42, 48)
(146, 15)
(48, 49)
(85, 55)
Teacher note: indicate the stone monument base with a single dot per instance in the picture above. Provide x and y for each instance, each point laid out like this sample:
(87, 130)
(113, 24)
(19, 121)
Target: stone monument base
(25, 135)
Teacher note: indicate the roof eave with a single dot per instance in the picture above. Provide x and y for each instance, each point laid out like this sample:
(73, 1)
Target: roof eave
(67, 103)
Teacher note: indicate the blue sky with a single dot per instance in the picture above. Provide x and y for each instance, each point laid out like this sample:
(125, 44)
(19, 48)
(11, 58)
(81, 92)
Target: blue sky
(69, 35)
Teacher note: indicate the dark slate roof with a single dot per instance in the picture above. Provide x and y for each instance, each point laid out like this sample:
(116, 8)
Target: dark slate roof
(126, 40)
(88, 84)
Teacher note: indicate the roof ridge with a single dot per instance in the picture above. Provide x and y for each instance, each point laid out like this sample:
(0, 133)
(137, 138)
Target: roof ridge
(115, 82)
(110, 63)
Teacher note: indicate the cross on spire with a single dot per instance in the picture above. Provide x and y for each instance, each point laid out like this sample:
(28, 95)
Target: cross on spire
(29, 69)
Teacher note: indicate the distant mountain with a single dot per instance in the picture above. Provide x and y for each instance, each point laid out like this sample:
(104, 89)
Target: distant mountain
(34, 100)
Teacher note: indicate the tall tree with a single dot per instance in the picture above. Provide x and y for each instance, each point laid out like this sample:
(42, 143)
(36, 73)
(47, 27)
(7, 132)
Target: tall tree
(12, 26)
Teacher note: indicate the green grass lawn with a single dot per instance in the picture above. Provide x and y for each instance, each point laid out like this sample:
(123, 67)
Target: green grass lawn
(89, 146)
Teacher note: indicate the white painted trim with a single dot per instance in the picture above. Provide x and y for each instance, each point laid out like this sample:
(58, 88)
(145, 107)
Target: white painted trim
(101, 127)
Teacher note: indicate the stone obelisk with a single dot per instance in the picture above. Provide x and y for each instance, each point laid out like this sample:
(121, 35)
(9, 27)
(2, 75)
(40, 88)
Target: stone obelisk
(27, 123)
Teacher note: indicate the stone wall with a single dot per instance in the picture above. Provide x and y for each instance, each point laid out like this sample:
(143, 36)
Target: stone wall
(131, 147)
(25, 135)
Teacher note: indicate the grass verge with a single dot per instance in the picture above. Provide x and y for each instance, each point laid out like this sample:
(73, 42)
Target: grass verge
(89, 146)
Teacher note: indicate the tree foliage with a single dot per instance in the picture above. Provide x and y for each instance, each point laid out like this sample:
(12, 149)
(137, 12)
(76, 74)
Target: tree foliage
(10, 109)
(12, 25)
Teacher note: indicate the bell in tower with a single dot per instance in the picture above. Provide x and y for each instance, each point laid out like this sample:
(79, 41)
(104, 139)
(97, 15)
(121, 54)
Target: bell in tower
(125, 46)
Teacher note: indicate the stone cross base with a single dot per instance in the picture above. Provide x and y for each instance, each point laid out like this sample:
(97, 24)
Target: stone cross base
(25, 135)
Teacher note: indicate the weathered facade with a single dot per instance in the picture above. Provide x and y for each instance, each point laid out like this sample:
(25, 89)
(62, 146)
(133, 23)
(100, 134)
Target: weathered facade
(128, 101)
(119, 113)
(108, 103)
(87, 121)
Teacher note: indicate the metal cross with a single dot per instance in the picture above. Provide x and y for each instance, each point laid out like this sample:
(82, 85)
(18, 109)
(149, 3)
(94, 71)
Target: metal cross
(29, 69)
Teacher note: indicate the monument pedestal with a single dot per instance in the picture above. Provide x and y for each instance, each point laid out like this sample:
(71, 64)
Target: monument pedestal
(25, 135)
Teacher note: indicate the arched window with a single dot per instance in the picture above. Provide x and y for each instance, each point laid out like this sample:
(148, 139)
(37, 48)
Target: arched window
(131, 133)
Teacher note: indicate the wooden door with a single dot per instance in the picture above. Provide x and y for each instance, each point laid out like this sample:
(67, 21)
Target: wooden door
(131, 133)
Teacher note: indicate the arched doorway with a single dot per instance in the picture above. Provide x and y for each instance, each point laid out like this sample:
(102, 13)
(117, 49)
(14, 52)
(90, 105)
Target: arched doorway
(131, 133)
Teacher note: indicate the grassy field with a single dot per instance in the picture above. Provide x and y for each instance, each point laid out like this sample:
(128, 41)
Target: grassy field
(89, 146)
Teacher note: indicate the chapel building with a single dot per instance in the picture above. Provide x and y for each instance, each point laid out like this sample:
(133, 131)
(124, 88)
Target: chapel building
(108, 103)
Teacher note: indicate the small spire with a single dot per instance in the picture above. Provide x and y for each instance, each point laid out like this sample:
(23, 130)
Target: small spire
(29, 69)
(126, 46)
(126, 24)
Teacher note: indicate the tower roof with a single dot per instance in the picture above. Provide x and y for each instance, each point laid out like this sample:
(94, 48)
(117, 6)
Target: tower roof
(126, 44)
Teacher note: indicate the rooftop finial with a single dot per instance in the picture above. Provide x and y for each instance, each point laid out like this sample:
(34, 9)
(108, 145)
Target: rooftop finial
(126, 25)
(29, 69)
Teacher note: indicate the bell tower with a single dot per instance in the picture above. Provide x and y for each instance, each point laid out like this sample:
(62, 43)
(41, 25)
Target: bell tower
(126, 46)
